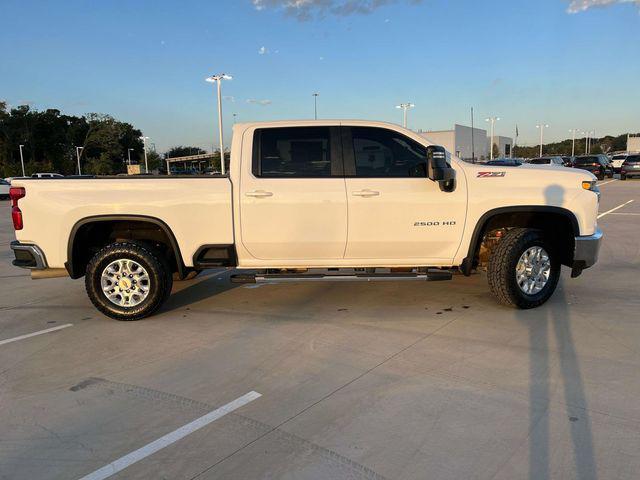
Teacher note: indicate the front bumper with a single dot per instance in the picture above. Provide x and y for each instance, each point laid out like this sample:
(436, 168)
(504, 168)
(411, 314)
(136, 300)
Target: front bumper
(28, 256)
(585, 253)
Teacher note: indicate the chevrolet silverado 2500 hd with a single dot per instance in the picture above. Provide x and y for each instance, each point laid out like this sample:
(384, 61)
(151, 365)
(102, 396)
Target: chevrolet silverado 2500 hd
(311, 201)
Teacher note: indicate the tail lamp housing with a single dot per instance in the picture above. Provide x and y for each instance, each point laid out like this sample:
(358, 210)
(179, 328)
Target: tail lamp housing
(15, 194)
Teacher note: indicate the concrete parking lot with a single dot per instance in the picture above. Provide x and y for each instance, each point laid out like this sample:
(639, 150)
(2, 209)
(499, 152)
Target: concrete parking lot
(399, 380)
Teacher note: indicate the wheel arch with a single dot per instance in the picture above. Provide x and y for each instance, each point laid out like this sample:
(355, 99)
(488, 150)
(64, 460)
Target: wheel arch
(76, 262)
(534, 216)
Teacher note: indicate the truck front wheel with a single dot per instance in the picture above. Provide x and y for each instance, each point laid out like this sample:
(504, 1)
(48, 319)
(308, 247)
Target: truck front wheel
(128, 281)
(523, 269)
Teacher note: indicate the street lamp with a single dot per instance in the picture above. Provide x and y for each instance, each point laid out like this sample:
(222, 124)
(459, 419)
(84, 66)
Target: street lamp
(218, 79)
(78, 150)
(405, 107)
(144, 147)
(542, 126)
(129, 150)
(315, 105)
(235, 115)
(493, 121)
(22, 161)
(573, 146)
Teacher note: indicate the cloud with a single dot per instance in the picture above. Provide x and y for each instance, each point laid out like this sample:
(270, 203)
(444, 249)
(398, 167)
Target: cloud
(308, 9)
(577, 6)
(229, 98)
(263, 51)
(262, 103)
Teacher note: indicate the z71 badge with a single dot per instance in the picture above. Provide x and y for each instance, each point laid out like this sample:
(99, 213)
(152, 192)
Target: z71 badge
(491, 174)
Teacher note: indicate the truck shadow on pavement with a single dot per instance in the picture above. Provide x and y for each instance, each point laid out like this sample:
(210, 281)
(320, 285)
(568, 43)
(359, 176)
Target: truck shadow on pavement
(207, 285)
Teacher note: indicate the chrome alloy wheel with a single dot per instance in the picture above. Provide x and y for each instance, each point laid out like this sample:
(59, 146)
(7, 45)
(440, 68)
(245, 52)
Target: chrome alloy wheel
(533, 270)
(125, 283)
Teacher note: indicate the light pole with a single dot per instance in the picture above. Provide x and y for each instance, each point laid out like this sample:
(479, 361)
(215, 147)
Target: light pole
(315, 105)
(234, 118)
(22, 161)
(405, 107)
(144, 147)
(542, 126)
(218, 79)
(493, 121)
(573, 145)
(129, 150)
(78, 150)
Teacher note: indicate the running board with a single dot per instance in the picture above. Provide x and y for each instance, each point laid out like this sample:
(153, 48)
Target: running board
(430, 276)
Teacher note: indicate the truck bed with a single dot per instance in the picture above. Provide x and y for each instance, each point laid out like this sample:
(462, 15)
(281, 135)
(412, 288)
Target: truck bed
(198, 210)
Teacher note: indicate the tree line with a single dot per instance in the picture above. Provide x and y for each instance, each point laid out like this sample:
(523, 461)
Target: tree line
(605, 144)
(50, 141)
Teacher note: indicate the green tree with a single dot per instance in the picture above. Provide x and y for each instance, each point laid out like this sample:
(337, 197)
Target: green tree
(495, 151)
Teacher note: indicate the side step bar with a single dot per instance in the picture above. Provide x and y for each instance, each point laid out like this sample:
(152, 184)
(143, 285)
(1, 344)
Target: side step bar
(429, 276)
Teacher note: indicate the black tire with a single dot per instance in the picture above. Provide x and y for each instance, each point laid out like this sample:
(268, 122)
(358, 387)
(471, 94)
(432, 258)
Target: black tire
(502, 269)
(600, 176)
(623, 177)
(157, 267)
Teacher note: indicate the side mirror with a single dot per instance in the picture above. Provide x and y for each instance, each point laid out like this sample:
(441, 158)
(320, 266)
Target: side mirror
(438, 170)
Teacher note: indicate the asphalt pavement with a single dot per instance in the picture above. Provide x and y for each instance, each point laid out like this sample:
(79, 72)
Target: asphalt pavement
(399, 380)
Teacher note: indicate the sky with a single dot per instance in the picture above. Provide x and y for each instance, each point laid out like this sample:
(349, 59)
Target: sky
(569, 64)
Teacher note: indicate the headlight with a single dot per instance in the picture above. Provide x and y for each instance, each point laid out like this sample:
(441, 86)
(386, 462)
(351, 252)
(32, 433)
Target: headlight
(592, 187)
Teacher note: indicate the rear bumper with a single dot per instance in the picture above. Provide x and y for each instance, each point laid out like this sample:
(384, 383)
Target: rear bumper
(585, 252)
(28, 256)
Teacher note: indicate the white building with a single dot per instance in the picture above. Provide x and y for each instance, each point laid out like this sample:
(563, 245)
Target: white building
(633, 143)
(465, 142)
(462, 141)
(505, 144)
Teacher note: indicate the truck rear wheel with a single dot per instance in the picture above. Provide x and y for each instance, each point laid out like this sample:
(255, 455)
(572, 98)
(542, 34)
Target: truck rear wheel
(128, 281)
(524, 269)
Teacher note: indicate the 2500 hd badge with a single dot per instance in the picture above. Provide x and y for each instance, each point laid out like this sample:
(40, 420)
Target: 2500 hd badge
(448, 223)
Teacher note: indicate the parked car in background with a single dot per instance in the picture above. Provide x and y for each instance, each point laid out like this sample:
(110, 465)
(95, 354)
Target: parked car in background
(568, 161)
(4, 189)
(630, 167)
(617, 161)
(505, 162)
(46, 175)
(557, 161)
(597, 164)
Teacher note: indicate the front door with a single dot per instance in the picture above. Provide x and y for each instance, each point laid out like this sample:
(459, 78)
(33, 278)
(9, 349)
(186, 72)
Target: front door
(292, 195)
(396, 214)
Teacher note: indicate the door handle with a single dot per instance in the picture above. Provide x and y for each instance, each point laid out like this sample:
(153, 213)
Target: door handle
(259, 194)
(366, 193)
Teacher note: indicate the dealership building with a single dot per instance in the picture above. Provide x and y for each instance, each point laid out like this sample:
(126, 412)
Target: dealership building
(466, 142)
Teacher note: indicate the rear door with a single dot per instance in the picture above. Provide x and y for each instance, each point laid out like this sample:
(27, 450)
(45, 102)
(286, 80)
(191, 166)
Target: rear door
(292, 195)
(396, 214)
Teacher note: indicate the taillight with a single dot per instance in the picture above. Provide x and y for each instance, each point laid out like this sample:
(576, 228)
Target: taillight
(15, 194)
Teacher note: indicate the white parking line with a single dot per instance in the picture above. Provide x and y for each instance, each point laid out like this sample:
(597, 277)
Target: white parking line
(624, 213)
(29, 335)
(151, 448)
(614, 180)
(614, 209)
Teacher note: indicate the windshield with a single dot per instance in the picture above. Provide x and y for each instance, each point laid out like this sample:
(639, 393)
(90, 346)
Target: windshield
(633, 159)
(539, 161)
(618, 157)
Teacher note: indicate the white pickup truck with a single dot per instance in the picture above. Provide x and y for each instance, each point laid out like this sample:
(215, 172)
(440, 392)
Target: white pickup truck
(312, 201)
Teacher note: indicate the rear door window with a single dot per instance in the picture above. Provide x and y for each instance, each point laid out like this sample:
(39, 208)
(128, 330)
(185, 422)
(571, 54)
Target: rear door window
(293, 152)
